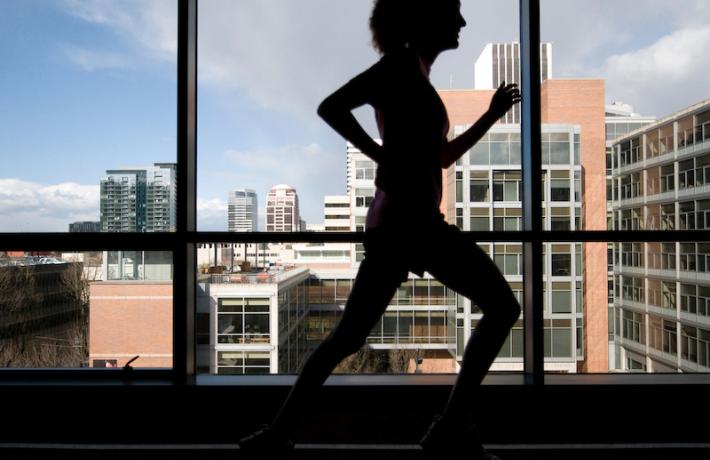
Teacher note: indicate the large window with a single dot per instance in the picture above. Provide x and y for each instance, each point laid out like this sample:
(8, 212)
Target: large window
(88, 156)
(266, 303)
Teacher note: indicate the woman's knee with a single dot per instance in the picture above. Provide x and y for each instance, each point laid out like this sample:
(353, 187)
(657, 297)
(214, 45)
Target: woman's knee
(504, 307)
(343, 345)
(509, 310)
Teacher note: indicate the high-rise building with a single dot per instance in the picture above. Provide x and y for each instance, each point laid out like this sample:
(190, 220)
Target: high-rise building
(282, 214)
(161, 198)
(243, 211)
(620, 119)
(661, 310)
(84, 227)
(572, 200)
(486, 185)
(139, 199)
(500, 62)
(361, 171)
(123, 201)
(336, 212)
(359, 167)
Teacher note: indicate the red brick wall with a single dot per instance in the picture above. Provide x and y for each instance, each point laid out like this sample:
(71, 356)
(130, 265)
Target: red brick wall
(571, 102)
(128, 319)
(464, 106)
(582, 102)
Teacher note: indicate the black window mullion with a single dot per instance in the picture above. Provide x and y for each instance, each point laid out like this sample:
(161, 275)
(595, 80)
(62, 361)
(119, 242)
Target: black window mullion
(532, 190)
(184, 251)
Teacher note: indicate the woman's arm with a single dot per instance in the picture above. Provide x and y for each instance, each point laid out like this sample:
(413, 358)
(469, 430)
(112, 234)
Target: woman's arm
(336, 110)
(503, 99)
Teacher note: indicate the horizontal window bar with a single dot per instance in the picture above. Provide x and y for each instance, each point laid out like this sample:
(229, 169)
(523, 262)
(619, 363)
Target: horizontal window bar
(116, 375)
(171, 241)
(163, 377)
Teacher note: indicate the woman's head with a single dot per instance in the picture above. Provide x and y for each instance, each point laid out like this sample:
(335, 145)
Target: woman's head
(432, 24)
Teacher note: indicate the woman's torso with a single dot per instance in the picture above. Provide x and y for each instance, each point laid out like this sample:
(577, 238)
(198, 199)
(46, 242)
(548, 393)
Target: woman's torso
(413, 124)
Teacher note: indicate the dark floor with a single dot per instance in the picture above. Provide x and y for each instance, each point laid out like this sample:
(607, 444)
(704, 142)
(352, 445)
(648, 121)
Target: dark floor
(345, 452)
(604, 422)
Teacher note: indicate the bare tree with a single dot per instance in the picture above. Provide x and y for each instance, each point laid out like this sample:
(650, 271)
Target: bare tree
(43, 316)
(369, 361)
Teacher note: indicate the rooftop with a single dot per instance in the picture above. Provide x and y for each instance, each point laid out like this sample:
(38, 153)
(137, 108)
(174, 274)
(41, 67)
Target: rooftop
(272, 276)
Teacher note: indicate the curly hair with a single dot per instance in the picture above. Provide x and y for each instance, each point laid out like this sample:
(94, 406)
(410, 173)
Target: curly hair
(393, 21)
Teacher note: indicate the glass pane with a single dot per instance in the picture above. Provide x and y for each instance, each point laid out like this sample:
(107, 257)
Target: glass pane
(266, 162)
(656, 150)
(259, 132)
(88, 309)
(646, 315)
(249, 294)
(88, 121)
(277, 290)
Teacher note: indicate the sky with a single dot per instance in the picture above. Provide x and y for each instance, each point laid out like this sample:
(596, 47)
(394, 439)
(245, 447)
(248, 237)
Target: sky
(89, 85)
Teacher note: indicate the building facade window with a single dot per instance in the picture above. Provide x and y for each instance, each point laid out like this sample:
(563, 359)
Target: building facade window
(507, 186)
(507, 219)
(243, 362)
(633, 326)
(479, 188)
(243, 320)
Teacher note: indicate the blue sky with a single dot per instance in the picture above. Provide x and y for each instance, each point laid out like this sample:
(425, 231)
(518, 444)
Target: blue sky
(89, 85)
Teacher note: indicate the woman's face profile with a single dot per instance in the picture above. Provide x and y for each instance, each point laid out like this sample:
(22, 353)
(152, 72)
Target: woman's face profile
(444, 24)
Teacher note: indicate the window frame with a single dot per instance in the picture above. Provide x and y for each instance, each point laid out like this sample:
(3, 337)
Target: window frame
(183, 242)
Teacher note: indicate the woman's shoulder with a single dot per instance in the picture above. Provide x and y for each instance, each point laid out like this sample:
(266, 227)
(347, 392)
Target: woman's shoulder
(402, 55)
(400, 60)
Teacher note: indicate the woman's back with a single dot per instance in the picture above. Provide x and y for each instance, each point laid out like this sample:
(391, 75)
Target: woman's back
(413, 125)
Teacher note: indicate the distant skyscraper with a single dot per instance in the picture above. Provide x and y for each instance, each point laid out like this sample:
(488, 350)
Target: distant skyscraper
(337, 213)
(161, 198)
(84, 227)
(139, 199)
(282, 214)
(243, 211)
(500, 62)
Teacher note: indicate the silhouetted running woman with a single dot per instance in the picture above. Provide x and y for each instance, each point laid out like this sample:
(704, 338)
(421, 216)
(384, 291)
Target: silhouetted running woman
(405, 230)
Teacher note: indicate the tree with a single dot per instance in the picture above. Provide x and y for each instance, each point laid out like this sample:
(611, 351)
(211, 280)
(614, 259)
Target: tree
(369, 361)
(43, 316)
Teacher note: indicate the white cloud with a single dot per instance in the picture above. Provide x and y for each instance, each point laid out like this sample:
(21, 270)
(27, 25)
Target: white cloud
(29, 206)
(212, 214)
(664, 77)
(287, 55)
(283, 55)
(693, 13)
(291, 164)
(307, 168)
(152, 24)
(95, 60)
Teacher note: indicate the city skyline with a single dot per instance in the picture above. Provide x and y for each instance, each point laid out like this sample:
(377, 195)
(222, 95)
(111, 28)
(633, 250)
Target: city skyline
(247, 123)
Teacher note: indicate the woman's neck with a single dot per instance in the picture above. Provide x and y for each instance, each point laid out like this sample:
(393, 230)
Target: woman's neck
(426, 59)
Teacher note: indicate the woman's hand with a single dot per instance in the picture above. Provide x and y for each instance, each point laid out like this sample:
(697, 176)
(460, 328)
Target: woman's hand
(504, 98)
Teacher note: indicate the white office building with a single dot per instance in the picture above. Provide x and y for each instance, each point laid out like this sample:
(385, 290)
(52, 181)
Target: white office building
(243, 211)
(660, 319)
(336, 213)
(500, 62)
(282, 214)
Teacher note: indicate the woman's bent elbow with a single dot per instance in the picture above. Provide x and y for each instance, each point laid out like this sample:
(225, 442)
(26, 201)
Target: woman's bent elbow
(325, 108)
